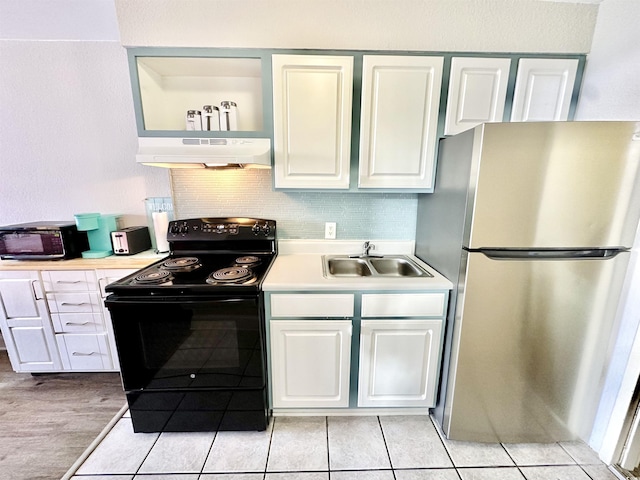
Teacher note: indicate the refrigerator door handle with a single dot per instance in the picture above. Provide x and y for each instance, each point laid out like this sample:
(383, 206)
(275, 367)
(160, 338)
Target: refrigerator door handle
(549, 254)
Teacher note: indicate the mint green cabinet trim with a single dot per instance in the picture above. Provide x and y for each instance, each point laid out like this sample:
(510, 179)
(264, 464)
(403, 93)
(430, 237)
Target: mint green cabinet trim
(267, 87)
(267, 92)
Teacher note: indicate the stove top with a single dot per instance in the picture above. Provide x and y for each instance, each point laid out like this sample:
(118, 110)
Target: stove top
(208, 256)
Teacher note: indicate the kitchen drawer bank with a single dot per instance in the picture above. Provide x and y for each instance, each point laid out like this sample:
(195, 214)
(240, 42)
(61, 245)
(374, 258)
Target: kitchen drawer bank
(52, 314)
(338, 346)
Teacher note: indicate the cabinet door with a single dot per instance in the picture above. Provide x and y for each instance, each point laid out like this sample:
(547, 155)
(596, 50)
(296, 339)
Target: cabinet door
(399, 119)
(24, 320)
(310, 363)
(312, 120)
(477, 92)
(399, 363)
(543, 89)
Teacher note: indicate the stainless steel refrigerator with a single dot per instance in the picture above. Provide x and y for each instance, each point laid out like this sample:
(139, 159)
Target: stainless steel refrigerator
(533, 223)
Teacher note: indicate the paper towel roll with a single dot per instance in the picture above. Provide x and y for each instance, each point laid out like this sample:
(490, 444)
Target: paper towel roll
(161, 227)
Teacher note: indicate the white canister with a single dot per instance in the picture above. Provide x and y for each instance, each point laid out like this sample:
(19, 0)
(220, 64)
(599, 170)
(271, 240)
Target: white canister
(194, 121)
(210, 118)
(228, 116)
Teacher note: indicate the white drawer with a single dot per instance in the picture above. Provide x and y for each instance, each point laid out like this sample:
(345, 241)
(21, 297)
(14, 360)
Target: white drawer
(84, 352)
(403, 305)
(312, 305)
(74, 302)
(77, 322)
(69, 280)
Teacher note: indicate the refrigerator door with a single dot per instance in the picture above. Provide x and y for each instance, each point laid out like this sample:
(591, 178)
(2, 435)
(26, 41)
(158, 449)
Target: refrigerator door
(554, 185)
(530, 343)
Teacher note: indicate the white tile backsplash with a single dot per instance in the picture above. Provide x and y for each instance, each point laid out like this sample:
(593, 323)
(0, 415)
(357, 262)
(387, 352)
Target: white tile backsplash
(249, 193)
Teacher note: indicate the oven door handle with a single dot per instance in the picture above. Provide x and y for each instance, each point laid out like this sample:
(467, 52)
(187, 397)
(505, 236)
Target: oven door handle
(186, 300)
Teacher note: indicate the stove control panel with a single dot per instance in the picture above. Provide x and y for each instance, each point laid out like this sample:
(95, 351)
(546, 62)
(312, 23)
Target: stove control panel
(199, 229)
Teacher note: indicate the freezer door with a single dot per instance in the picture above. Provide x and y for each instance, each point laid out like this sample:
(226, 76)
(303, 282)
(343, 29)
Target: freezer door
(554, 185)
(530, 344)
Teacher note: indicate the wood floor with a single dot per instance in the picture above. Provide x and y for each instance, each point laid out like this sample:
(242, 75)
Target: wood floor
(47, 421)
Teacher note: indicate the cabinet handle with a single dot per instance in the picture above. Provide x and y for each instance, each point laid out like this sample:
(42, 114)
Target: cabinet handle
(82, 354)
(101, 286)
(68, 282)
(76, 323)
(75, 304)
(33, 287)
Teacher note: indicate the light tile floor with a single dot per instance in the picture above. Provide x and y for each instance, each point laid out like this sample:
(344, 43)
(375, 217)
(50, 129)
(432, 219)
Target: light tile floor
(331, 448)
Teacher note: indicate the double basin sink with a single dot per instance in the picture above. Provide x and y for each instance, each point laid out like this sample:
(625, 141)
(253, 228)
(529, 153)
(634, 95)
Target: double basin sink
(371, 266)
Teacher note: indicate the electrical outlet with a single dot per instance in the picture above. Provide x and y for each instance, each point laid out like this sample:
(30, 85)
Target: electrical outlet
(330, 230)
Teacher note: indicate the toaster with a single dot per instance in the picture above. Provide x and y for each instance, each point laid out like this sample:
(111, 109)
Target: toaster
(130, 240)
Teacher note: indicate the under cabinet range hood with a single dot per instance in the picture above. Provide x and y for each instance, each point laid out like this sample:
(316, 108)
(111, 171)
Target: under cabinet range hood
(204, 152)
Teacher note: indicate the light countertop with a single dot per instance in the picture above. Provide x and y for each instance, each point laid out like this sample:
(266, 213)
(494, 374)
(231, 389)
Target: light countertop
(140, 260)
(298, 267)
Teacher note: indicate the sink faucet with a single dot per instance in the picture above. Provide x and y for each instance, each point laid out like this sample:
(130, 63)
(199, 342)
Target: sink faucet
(366, 247)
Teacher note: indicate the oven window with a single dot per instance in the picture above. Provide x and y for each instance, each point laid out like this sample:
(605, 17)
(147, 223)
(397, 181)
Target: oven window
(201, 344)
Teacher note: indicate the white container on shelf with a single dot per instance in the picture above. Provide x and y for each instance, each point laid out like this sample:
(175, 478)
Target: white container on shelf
(194, 121)
(210, 118)
(228, 116)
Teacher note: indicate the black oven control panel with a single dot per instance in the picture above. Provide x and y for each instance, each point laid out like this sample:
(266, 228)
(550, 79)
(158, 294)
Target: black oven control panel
(213, 229)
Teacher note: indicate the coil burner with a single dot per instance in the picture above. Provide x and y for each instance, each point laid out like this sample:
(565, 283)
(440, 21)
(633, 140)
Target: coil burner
(237, 275)
(181, 264)
(157, 277)
(248, 261)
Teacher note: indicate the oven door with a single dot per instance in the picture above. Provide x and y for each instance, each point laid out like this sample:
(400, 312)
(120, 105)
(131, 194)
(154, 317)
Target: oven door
(188, 343)
(192, 364)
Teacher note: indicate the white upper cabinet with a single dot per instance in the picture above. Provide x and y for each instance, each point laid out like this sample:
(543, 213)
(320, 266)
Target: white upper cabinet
(477, 92)
(399, 119)
(312, 100)
(543, 90)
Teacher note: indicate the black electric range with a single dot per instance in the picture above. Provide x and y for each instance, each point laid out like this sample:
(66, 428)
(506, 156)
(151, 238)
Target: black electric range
(190, 331)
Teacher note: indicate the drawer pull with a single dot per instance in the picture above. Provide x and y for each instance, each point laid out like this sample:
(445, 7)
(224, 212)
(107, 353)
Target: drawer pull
(77, 323)
(68, 282)
(74, 304)
(82, 354)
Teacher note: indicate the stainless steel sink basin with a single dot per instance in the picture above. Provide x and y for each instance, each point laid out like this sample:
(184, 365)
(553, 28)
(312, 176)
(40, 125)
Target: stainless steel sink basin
(347, 267)
(366, 266)
(396, 267)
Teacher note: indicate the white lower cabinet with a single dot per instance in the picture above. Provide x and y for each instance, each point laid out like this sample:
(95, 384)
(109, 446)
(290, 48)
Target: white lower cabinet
(105, 277)
(312, 350)
(398, 362)
(310, 363)
(55, 320)
(76, 315)
(24, 320)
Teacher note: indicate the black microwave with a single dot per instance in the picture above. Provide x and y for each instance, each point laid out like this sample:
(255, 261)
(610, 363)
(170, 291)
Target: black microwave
(42, 241)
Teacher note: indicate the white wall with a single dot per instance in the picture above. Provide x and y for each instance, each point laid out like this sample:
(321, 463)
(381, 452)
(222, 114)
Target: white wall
(67, 129)
(446, 25)
(611, 86)
(611, 91)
